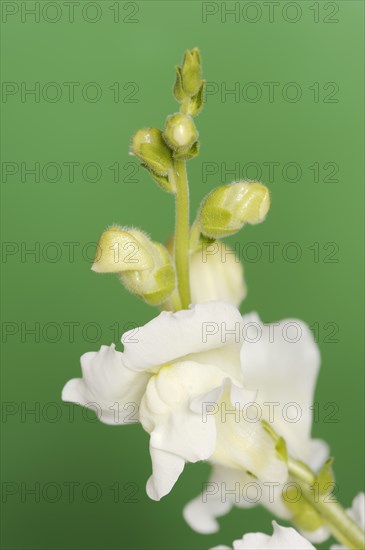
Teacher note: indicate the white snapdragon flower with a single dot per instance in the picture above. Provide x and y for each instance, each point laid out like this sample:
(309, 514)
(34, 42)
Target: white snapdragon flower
(280, 360)
(176, 364)
(283, 538)
(357, 513)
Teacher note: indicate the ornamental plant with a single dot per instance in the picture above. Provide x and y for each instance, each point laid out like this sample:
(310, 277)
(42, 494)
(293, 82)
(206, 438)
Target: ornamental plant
(195, 376)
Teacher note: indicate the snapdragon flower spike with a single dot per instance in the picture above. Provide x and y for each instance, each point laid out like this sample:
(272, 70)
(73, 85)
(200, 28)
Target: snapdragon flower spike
(228, 208)
(144, 267)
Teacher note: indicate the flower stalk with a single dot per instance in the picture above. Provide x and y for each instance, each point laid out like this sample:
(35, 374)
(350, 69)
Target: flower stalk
(182, 231)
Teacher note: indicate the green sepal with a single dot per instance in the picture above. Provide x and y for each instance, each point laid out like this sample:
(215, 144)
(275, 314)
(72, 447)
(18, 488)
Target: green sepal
(178, 86)
(197, 240)
(196, 102)
(214, 222)
(281, 449)
(280, 444)
(326, 477)
(162, 181)
(189, 154)
(305, 517)
(165, 281)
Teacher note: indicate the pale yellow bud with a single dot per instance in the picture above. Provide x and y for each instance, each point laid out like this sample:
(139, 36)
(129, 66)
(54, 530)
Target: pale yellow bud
(180, 132)
(149, 146)
(122, 249)
(144, 267)
(227, 208)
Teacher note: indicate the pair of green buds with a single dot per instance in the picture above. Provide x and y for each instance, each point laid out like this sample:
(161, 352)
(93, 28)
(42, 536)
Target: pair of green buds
(146, 268)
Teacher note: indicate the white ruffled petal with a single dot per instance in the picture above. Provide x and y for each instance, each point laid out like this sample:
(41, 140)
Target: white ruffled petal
(283, 538)
(167, 468)
(166, 410)
(281, 360)
(107, 387)
(171, 336)
(201, 512)
(228, 487)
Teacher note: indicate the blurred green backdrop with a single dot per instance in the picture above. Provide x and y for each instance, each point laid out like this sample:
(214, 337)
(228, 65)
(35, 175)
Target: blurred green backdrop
(99, 71)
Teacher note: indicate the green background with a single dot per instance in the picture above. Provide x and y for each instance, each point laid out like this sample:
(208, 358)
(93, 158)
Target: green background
(38, 290)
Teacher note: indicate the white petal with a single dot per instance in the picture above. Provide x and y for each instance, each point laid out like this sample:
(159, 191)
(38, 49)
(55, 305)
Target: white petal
(167, 468)
(283, 538)
(282, 363)
(167, 414)
(318, 451)
(108, 387)
(228, 487)
(319, 535)
(201, 513)
(171, 336)
(357, 510)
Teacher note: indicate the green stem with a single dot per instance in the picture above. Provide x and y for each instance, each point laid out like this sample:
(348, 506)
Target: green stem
(341, 525)
(182, 229)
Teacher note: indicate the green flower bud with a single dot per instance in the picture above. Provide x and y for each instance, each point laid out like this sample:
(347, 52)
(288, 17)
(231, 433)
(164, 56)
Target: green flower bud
(227, 208)
(191, 72)
(180, 132)
(149, 146)
(144, 267)
(157, 284)
(120, 249)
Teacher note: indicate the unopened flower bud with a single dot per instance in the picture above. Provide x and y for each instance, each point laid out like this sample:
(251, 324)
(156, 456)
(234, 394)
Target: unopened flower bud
(227, 208)
(149, 146)
(121, 249)
(144, 267)
(180, 132)
(154, 286)
(191, 72)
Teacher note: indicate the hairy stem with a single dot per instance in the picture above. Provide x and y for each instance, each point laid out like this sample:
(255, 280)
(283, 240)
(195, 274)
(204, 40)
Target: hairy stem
(182, 232)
